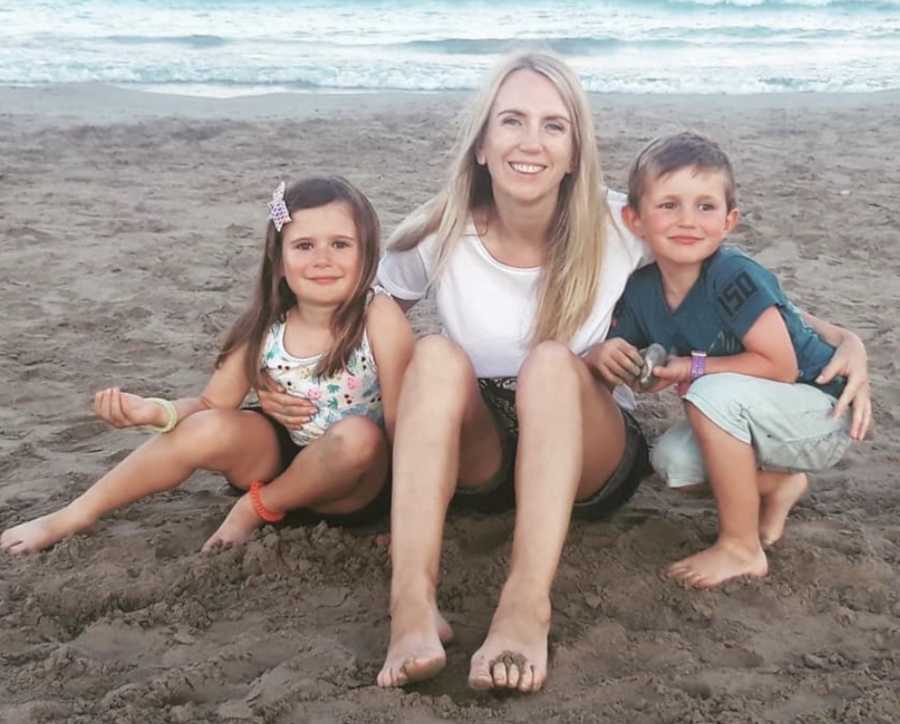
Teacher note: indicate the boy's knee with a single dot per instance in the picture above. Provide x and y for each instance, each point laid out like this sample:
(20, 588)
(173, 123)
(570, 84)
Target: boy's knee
(676, 458)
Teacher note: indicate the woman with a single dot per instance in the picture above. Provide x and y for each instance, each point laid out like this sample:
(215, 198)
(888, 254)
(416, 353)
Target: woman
(527, 256)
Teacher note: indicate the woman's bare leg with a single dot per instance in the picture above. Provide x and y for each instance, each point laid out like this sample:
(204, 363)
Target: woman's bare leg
(240, 444)
(571, 439)
(731, 467)
(340, 472)
(444, 433)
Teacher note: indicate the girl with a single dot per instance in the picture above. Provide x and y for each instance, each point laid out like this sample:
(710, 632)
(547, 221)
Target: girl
(315, 326)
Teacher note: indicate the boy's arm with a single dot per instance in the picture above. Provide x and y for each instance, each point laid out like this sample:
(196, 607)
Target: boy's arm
(617, 360)
(391, 339)
(768, 353)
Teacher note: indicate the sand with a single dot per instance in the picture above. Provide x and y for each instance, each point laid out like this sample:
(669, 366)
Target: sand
(130, 225)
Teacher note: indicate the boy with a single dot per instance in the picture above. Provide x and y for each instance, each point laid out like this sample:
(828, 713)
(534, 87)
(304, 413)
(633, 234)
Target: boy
(745, 360)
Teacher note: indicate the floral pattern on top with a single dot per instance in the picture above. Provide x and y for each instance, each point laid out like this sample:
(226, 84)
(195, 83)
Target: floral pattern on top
(352, 391)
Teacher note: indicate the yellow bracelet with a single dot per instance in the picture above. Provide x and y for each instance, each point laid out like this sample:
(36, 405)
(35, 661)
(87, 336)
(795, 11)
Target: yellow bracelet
(171, 415)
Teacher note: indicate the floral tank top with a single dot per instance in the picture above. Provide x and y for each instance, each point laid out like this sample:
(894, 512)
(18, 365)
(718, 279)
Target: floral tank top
(352, 391)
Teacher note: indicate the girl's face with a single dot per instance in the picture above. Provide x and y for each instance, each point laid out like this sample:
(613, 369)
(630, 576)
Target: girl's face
(529, 140)
(322, 254)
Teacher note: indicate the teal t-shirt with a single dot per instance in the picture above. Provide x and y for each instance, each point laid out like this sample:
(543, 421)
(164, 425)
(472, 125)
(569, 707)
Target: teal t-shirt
(731, 293)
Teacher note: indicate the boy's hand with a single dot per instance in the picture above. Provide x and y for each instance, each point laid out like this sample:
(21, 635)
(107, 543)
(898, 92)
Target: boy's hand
(617, 361)
(122, 409)
(291, 411)
(677, 369)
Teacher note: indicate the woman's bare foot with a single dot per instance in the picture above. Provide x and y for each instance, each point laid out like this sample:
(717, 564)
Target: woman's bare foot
(775, 506)
(238, 525)
(724, 561)
(43, 532)
(416, 651)
(514, 654)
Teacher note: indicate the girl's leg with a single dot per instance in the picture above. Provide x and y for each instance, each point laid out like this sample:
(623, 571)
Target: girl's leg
(240, 444)
(444, 434)
(571, 439)
(731, 467)
(341, 472)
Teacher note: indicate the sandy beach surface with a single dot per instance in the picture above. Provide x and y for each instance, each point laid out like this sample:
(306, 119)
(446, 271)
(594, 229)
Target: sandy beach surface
(130, 227)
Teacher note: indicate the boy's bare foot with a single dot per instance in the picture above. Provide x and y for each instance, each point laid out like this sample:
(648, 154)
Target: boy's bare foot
(238, 525)
(775, 506)
(43, 532)
(416, 651)
(514, 654)
(724, 561)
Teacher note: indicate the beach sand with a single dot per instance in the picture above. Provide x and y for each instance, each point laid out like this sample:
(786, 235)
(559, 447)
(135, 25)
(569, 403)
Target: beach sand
(130, 227)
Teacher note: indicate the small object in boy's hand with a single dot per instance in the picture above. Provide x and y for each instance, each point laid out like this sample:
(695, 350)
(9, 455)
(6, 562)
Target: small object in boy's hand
(654, 356)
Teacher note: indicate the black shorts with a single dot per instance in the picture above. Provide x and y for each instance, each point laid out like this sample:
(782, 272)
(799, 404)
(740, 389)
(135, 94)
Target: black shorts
(372, 512)
(499, 494)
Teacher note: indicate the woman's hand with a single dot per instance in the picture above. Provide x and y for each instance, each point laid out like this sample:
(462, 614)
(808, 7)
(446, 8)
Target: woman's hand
(617, 361)
(851, 361)
(122, 409)
(291, 411)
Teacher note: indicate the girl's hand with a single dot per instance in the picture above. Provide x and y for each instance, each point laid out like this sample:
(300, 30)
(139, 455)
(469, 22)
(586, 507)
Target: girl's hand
(291, 411)
(122, 409)
(851, 361)
(617, 361)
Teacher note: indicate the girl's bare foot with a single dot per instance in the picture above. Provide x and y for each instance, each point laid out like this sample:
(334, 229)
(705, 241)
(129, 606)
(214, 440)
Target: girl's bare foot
(238, 525)
(514, 654)
(724, 561)
(43, 532)
(416, 650)
(775, 506)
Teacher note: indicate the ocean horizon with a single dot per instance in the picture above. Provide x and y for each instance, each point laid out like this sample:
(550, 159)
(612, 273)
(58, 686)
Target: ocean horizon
(241, 47)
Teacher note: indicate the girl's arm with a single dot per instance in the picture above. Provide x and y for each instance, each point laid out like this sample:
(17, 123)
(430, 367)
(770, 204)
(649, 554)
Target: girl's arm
(851, 361)
(768, 353)
(391, 339)
(226, 389)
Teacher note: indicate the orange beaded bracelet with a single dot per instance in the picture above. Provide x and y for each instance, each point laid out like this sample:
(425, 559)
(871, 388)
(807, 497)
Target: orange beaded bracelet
(261, 510)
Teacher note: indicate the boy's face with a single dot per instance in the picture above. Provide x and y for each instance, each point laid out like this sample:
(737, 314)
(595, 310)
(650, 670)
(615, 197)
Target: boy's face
(683, 216)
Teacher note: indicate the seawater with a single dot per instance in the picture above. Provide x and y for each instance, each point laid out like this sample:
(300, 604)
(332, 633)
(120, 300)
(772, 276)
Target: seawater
(229, 47)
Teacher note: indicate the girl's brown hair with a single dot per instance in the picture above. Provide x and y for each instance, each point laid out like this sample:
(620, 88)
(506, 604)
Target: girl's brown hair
(273, 298)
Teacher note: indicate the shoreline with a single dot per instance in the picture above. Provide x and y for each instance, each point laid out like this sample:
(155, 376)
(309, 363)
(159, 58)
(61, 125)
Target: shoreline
(103, 103)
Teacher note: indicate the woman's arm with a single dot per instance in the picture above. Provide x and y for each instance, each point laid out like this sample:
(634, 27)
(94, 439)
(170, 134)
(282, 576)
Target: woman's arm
(391, 339)
(851, 361)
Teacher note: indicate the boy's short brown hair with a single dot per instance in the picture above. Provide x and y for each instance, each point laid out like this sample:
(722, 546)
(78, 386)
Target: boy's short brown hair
(668, 154)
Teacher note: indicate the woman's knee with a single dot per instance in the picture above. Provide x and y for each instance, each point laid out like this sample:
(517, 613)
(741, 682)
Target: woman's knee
(440, 360)
(548, 363)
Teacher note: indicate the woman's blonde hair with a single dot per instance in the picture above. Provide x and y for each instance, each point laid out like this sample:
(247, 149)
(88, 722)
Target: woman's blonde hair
(568, 284)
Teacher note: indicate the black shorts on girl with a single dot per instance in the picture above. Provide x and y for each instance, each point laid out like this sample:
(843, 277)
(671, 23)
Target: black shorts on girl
(498, 494)
(374, 511)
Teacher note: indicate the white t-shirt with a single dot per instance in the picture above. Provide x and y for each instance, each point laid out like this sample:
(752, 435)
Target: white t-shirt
(488, 308)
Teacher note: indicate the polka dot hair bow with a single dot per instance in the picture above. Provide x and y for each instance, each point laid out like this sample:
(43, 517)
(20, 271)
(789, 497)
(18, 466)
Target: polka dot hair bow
(278, 210)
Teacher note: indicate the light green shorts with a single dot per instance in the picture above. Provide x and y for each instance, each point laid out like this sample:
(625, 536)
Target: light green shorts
(789, 426)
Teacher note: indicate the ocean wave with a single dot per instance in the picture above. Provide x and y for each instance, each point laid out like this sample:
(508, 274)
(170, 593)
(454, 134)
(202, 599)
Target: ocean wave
(191, 41)
(874, 6)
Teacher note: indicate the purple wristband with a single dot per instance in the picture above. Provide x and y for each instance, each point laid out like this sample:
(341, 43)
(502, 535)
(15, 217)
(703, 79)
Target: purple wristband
(698, 365)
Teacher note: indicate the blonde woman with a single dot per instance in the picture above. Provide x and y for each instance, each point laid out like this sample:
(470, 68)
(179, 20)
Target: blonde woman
(526, 254)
